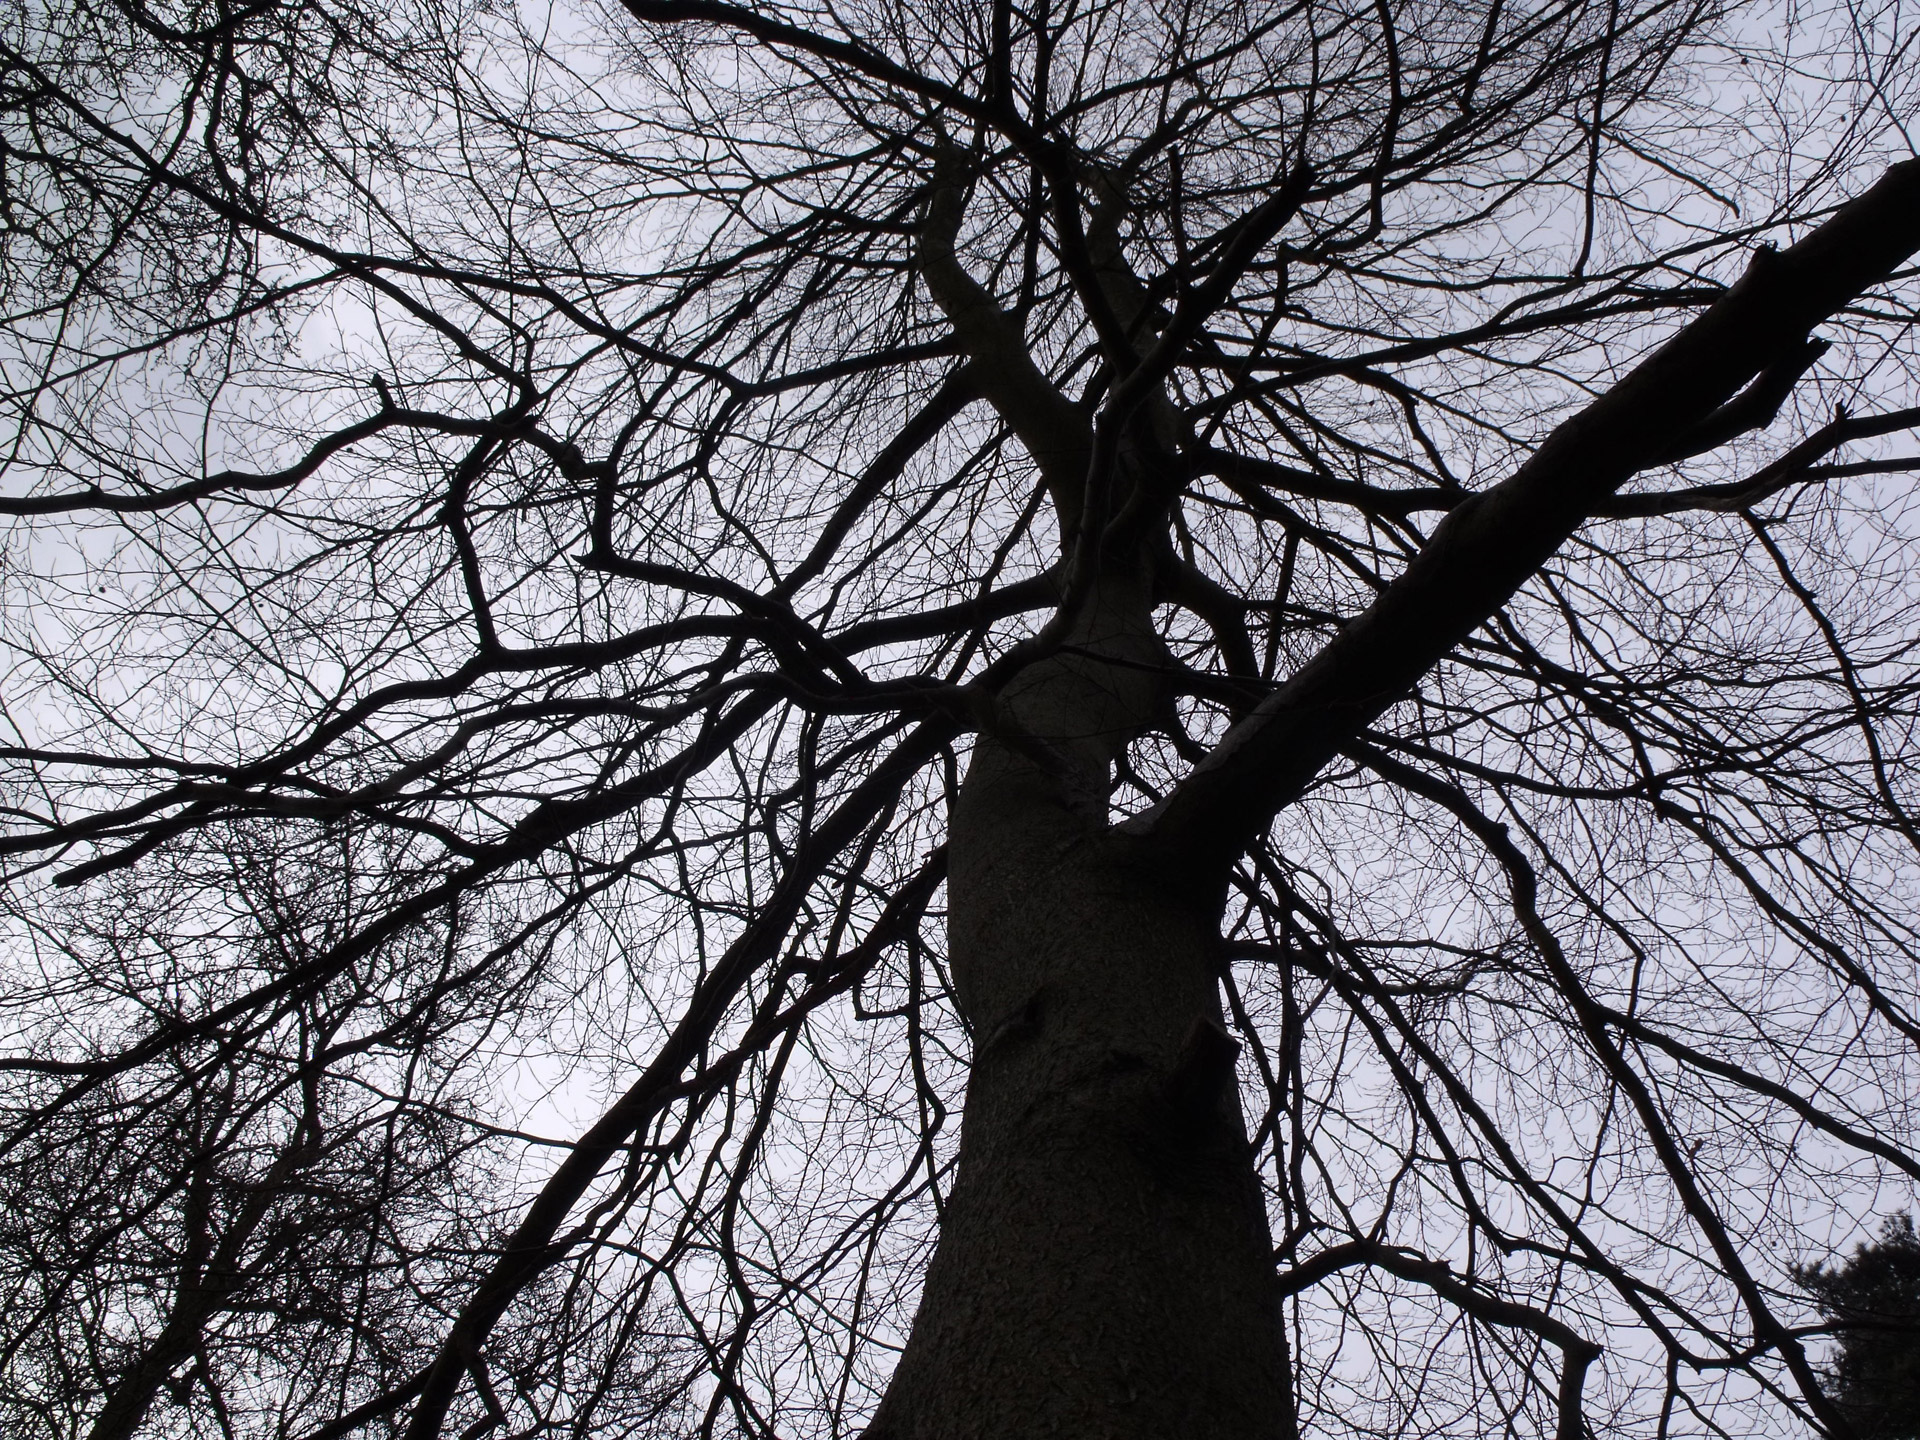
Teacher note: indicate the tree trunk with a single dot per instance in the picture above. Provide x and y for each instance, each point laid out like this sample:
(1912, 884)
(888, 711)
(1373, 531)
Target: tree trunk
(1104, 1265)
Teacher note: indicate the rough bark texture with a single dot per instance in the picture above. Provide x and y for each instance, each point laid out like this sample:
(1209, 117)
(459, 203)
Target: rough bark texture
(1105, 1266)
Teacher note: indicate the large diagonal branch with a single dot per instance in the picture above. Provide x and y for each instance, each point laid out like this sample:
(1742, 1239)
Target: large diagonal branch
(1487, 547)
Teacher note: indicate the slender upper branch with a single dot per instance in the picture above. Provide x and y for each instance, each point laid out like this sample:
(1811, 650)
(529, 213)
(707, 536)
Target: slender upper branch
(1055, 432)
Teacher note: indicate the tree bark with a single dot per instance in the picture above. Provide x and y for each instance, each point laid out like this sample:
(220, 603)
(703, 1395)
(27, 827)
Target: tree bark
(1104, 1266)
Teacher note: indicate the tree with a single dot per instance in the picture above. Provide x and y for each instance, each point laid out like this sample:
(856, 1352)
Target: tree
(1301, 615)
(1872, 1299)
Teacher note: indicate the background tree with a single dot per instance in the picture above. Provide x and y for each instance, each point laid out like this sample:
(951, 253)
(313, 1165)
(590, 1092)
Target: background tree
(1872, 1299)
(617, 613)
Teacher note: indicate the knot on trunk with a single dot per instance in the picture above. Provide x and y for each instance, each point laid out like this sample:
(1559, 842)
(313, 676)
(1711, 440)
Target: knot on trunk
(1203, 1072)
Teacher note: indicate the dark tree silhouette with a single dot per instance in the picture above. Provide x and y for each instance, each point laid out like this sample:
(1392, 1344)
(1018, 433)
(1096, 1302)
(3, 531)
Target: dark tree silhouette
(1872, 1299)
(935, 718)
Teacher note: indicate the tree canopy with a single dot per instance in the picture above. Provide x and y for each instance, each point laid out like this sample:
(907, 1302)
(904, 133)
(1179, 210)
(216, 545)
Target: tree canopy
(1873, 1300)
(622, 620)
